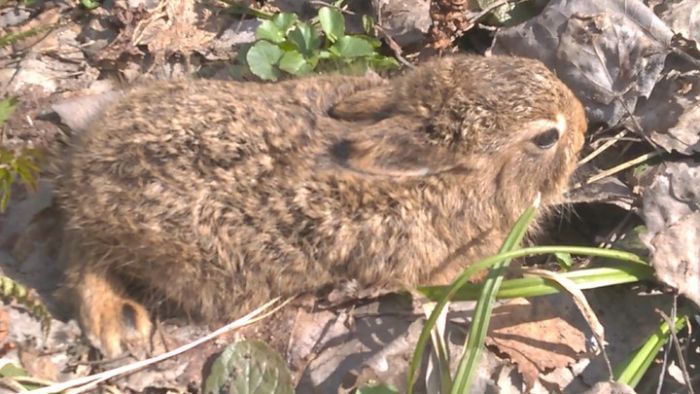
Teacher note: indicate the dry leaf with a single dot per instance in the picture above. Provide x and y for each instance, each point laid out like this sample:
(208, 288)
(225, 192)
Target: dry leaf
(609, 52)
(682, 16)
(537, 335)
(673, 221)
(670, 116)
(4, 325)
(173, 27)
(38, 365)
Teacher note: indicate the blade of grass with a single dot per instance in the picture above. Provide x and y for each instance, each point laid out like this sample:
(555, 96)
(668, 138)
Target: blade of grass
(484, 306)
(460, 281)
(437, 335)
(631, 370)
(534, 287)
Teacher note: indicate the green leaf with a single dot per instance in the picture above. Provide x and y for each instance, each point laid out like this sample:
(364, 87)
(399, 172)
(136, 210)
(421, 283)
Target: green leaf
(11, 38)
(591, 278)
(631, 370)
(6, 179)
(377, 389)
(262, 59)
(90, 4)
(269, 31)
(7, 107)
(294, 62)
(564, 260)
(248, 367)
(284, 20)
(445, 295)
(332, 23)
(367, 24)
(275, 29)
(471, 354)
(382, 63)
(498, 262)
(371, 40)
(351, 46)
(305, 38)
(10, 371)
(242, 9)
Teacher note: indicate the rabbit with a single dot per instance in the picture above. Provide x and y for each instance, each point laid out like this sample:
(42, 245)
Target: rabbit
(215, 197)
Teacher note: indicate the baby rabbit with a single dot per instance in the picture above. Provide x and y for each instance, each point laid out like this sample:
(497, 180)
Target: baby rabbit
(217, 196)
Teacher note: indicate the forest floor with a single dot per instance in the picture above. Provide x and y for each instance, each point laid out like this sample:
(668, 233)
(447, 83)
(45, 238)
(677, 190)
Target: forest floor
(634, 64)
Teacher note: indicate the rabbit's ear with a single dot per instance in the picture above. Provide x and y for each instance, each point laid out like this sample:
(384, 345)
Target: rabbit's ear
(372, 104)
(392, 152)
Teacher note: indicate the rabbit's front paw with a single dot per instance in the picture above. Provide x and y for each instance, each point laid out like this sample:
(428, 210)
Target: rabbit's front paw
(113, 324)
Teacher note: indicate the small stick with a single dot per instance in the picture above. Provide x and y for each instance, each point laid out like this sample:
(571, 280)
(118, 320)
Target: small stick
(90, 381)
(619, 168)
(604, 147)
(674, 339)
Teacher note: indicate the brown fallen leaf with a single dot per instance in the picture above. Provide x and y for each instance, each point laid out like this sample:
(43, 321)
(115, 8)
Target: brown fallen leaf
(671, 113)
(38, 365)
(537, 335)
(682, 16)
(4, 325)
(173, 27)
(673, 222)
(610, 52)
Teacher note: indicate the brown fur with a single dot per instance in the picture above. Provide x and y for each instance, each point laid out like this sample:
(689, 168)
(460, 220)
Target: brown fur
(218, 196)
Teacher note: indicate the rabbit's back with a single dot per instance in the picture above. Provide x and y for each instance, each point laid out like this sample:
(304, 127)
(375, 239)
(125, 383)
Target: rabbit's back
(198, 182)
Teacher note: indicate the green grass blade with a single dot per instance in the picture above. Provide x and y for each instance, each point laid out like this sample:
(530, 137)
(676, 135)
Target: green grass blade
(462, 279)
(630, 371)
(484, 307)
(536, 286)
(7, 107)
(458, 283)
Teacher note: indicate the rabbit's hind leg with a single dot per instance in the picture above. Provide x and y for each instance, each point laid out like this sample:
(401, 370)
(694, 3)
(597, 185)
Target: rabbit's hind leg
(112, 322)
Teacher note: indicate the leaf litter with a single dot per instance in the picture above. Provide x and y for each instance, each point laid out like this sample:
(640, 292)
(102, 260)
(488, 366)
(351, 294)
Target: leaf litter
(623, 58)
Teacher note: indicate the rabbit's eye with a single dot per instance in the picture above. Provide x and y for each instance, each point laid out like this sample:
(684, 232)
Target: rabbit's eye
(547, 139)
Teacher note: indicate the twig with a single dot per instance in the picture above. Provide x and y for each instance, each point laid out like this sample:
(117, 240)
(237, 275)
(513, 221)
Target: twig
(88, 382)
(490, 8)
(49, 29)
(612, 236)
(603, 147)
(395, 47)
(618, 168)
(664, 363)
(677, 345)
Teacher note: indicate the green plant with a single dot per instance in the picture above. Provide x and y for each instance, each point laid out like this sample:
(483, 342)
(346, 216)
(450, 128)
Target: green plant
(11, 38)
(90, 4)
(631, 370)
(22, 165)
(11, 290)
(13, 165)
(248, 367)
(633, 269)
(288, 45)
